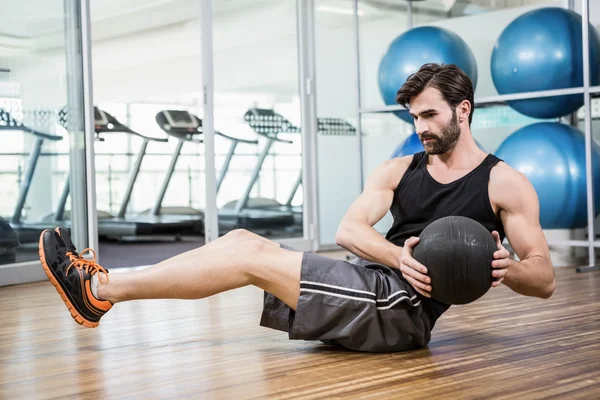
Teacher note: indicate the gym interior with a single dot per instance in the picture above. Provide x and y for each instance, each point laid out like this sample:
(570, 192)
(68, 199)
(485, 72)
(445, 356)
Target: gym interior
(150, 128)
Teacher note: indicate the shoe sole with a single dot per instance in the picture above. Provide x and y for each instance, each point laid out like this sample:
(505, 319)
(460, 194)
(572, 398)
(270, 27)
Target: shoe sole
(76, 316)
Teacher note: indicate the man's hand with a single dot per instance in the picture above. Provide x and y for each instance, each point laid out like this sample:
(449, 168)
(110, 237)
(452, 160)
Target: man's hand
(501, 261)
(412, 270)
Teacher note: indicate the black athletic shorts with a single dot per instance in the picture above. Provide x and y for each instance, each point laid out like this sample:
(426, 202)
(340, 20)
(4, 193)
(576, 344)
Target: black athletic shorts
(359, 305)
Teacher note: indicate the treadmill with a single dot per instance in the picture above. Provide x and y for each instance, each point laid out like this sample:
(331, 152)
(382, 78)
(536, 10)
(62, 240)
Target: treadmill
(269, 124)
(27, 231)
(274, 214)
(325, 126)
(123, 225)
(186, 127)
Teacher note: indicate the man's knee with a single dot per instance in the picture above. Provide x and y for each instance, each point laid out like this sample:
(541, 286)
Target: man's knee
(253, 247)
(240, 235)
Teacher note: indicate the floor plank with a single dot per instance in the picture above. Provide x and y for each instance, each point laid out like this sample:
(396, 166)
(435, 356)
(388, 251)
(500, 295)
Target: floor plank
(503, 346)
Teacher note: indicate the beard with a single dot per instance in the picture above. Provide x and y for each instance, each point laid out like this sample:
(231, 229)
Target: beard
(445, 141)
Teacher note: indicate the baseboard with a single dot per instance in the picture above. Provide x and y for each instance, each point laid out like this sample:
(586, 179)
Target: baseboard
(26, 272)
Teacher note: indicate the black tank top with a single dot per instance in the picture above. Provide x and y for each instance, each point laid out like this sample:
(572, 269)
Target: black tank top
(419, 200)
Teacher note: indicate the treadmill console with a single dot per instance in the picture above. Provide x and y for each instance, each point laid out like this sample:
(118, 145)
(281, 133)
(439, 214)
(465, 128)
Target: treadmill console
(180, 120)
(100, 118)
(7, 120)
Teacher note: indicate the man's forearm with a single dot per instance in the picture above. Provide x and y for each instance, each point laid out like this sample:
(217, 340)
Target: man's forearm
(531, 277)
(365, 242)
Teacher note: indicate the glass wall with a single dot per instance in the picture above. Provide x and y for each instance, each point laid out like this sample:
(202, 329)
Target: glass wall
(257, 99)
(151, 171)
(116, 155)
(40, 59)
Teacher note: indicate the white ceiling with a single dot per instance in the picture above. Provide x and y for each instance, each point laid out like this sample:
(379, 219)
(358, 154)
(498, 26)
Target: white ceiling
(24, 21)
(29, 19)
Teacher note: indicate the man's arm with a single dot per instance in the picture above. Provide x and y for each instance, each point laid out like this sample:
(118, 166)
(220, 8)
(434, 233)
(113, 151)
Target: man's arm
(356, 233)
(517, 200)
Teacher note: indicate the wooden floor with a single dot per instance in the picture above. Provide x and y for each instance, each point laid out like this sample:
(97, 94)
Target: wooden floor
(503, 346)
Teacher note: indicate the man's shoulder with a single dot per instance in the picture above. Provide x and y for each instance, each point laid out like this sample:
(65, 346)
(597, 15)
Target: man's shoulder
(396, 166)
(507, 183)
(389, 172)
(504, 174)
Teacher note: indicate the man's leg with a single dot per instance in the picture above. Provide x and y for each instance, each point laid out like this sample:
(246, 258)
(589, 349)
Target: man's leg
(233, 237)
(237, 259)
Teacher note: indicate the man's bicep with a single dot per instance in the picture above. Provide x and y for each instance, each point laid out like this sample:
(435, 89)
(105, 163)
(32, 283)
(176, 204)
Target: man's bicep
(520, 217)
(378, 194)
(371, 206)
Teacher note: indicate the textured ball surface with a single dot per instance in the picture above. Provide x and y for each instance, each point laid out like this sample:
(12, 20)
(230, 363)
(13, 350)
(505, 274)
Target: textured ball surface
(458, 253)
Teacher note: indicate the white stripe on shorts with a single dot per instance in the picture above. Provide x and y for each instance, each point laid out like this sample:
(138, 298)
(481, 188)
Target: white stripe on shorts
(345, 296)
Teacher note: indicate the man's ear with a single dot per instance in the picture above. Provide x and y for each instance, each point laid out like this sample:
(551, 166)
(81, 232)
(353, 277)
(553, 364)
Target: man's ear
(464, 109)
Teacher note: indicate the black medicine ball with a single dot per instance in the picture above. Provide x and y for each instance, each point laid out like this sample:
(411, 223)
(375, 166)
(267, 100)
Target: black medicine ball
(458, 254)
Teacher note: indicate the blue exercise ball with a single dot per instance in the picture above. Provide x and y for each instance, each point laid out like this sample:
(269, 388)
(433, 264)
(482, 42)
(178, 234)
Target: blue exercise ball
(409, 146)
(418, 46)
(542, 50)
(552, 156)
(412, 145)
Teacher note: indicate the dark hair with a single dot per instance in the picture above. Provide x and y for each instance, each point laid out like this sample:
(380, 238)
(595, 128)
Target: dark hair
(449, 79)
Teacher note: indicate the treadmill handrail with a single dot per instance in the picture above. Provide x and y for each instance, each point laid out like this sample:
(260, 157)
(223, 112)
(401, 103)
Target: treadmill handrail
(199, 131)
(247, 141)
(122, 128)
(185, 137)
(24, 128)
(148, 138)
(275, 138)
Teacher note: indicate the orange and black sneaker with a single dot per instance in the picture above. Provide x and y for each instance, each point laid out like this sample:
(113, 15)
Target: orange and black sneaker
(71, 275)
(63, 235)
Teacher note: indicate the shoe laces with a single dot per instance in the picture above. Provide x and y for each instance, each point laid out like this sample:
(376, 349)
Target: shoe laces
(89, 266)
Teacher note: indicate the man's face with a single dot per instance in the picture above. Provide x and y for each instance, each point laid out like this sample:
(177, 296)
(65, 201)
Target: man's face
(436, 122)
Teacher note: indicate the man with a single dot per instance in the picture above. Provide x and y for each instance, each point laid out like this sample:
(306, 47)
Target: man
(381, 301)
